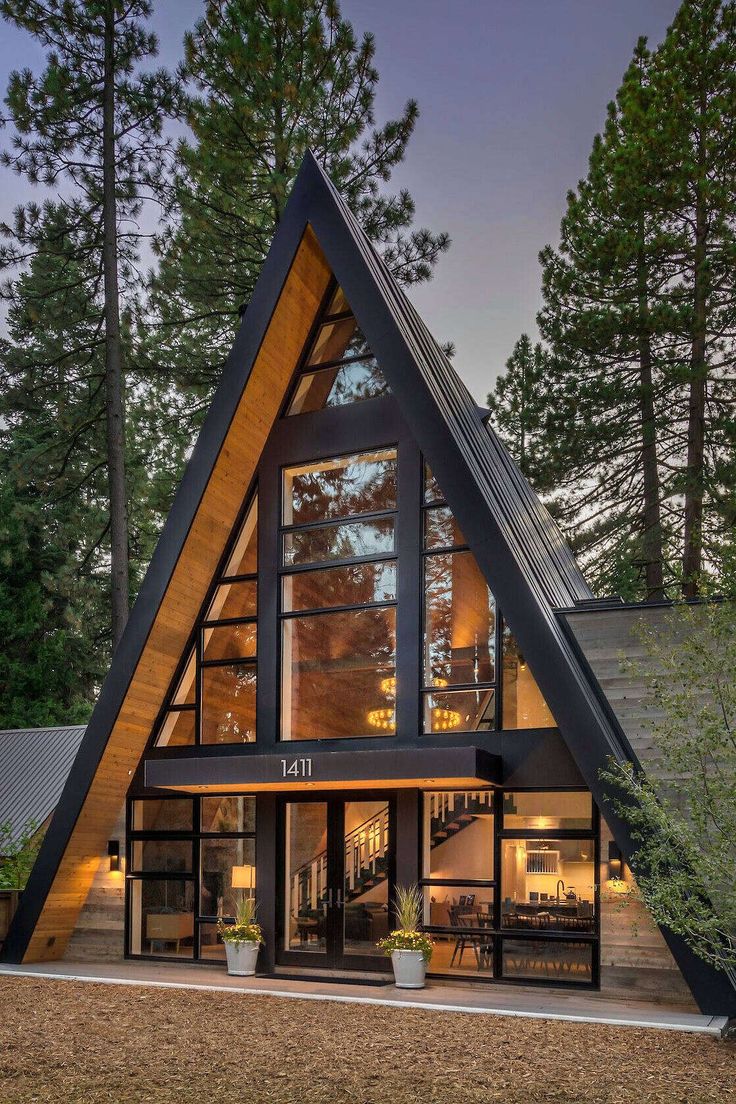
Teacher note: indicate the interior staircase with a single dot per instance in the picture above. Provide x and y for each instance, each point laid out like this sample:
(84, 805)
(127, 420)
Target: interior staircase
(367, 847)
(450, 812)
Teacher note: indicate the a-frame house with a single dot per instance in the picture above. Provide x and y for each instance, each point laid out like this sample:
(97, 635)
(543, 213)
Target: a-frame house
(357, 659)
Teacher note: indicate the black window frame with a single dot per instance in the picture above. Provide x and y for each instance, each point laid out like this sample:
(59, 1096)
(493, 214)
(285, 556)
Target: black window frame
(424, 690)
(322, 318)
(496, 933)
(195, 836)
(284, 570)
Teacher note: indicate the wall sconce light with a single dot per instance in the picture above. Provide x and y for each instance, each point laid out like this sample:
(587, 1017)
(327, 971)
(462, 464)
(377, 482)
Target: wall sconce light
(615, 862)
(113, 851)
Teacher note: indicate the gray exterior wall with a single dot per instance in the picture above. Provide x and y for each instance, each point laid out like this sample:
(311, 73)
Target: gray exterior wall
(607, 638)
(636, 963)
(635, 958)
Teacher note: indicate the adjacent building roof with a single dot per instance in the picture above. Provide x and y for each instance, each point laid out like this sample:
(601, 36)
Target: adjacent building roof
(34, 767)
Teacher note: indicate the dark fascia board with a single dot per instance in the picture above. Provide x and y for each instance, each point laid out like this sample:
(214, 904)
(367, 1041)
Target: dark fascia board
(327, 768)
(517, 545)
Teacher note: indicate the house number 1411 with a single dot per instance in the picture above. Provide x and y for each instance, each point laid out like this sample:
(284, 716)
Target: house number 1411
(297, 768)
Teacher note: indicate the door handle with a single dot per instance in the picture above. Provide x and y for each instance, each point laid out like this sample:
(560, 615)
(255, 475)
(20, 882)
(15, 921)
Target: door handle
(327, 903)
(339, 902)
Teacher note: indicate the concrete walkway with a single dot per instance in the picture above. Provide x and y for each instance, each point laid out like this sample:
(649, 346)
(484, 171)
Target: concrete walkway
(536, 1003)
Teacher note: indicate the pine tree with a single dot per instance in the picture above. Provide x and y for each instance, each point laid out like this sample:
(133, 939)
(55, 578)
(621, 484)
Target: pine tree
(519, 407)
(53, 467)
(273, 78)
(93, 119)
(52, 411)
(49, 665)
(605, 321)
(638, 319)
(694, 78)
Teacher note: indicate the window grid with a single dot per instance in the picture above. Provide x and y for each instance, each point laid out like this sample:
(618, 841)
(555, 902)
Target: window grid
(498, 935)
(195, 836)
(331, 371)
(432, 499)
(329, 568)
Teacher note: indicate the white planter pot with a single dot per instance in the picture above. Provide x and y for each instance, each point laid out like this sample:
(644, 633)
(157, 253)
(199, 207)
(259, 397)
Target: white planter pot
(241, 958)
(409, 969)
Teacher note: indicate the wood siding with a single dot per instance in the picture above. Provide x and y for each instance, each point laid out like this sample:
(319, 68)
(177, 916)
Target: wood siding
(228, 483)
(636, 963)
(98, 935)
(609, 640)
(635, 959)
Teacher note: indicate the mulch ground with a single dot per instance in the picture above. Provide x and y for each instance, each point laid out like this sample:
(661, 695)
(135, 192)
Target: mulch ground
(81, 1043)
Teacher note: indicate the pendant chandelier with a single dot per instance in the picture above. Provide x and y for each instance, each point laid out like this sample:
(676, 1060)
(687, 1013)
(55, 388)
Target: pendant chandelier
(384, 718)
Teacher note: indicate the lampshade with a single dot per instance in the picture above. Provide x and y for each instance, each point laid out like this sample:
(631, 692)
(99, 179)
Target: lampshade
(244, 877)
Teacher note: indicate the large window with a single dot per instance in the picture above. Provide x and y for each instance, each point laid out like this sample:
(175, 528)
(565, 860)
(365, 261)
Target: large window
(214, 701)
(339, 367)
(338, 623)
(523, 704)
(458, 883)
(536, 916)
(332, 665)
(346, 486)
(463, 689)
(190, 861)
(548, 894)
(459, 653)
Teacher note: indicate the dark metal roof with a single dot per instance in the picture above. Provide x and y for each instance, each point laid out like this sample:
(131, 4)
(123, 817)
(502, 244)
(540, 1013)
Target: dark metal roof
(34, 766)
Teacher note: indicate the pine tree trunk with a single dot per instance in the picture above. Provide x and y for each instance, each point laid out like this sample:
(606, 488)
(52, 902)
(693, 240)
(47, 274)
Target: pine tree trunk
(652, 537)
(115, 416)
(522, 424)
(692, 558)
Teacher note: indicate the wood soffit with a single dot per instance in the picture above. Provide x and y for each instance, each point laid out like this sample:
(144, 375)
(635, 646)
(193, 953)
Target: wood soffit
(290, 323)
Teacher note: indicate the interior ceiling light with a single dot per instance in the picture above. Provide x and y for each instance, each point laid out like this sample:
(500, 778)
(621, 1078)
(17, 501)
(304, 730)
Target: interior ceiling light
(384, 718)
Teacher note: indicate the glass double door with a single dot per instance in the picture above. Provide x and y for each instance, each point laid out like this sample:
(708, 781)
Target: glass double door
(337, 877)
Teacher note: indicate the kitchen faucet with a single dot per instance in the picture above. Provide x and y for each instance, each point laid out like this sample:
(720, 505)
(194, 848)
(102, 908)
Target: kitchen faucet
(560, 883)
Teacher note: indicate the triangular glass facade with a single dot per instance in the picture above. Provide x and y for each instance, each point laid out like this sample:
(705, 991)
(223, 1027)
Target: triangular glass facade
(338, 367)
(334, 537)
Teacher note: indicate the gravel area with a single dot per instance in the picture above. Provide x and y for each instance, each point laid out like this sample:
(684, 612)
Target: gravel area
(80, 1043)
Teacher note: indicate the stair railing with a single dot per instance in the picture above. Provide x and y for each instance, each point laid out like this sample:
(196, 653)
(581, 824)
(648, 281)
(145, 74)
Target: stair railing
(446, 805)
(364, 847)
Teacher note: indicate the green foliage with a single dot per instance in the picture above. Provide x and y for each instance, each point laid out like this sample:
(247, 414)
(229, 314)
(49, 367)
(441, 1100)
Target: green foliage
(48, 669)
(271, 79)
(635, 412)
(54, 564)
(245, 929)
(88, 350)
(407, 937)
(682, 813)
(519, 408)
(18, 854)
(408, 906)
(57, 118)
(89, 126)
(69, 367)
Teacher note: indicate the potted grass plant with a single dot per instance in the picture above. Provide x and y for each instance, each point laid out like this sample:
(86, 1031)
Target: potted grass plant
(242, 939)
(408, 948)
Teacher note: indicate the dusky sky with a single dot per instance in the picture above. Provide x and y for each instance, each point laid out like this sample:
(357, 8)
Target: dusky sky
(511, 94)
